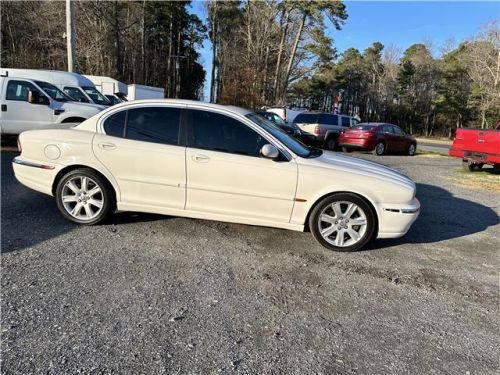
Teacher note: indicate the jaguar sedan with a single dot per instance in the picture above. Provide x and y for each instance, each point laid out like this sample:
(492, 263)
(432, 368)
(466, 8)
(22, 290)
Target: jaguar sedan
(206, 161)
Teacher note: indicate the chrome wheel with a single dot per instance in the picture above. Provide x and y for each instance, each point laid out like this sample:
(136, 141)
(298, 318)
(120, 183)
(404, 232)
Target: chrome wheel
(342, 223)
(82, 198)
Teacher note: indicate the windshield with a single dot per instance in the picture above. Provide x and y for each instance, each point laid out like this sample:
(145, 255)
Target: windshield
(53, 92)
(293, 144)
(96, 96)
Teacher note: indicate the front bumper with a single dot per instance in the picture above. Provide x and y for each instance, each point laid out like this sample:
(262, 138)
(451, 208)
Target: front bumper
(395, 220)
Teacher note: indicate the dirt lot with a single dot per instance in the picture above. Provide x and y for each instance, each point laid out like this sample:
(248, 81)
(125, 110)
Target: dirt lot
(153, 294)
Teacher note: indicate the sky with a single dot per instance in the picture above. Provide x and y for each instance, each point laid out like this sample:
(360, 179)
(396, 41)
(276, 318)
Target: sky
(394, 23)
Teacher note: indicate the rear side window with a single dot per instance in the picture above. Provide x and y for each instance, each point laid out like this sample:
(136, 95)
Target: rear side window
(153, 124)
(327, 119)
(19, 90)
(115, 124)
(217, 132)
(346, 122)
(306, 118)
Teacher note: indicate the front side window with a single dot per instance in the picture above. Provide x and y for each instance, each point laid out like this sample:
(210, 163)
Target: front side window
(217, 132)
(53, 91)
(76, 94)
(19, 90)
(327, 119)
(398, 130)
(96, 96)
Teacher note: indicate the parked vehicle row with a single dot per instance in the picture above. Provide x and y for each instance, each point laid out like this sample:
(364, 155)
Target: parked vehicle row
(32, 98)
(224, 163)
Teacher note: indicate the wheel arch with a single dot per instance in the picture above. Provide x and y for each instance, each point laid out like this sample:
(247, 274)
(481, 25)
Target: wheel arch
(72, 167)
(361, 196)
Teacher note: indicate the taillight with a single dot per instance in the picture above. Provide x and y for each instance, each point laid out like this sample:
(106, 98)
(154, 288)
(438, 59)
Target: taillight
(316, 130)
(19, 145)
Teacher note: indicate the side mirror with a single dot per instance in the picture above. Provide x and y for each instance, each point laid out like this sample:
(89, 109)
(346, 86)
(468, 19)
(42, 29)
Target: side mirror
(34, 97)
(269, 151)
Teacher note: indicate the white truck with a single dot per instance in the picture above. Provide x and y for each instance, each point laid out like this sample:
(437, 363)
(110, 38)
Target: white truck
(75, 85)
(111, 88)
(31, 104)
(136, 92)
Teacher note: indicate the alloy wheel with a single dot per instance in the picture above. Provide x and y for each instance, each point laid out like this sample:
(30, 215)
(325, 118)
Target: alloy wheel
(342, 223)
(82, 198)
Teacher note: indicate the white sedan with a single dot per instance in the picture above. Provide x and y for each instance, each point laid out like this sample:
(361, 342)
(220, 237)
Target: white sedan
(193, 159)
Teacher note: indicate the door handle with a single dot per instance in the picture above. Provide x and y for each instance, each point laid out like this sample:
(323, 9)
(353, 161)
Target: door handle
(107, 146)
(200, 158)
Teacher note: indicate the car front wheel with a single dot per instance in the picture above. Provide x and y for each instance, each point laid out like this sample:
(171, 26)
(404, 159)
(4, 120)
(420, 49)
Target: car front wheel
(84, 197)
(343, 222)
(412, 149)
(380, 148)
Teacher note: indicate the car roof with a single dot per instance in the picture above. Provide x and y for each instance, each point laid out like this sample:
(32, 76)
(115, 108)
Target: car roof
(241, 111)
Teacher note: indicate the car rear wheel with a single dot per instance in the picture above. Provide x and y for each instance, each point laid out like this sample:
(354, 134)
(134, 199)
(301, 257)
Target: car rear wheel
(379, 149)
(471, 166)
(331, 143)
(84, 197)
(412, 149)
(343, 222)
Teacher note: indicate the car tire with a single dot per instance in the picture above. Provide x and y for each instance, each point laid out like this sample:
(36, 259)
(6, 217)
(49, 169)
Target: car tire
(346, 215)
(85, 197)
(331, 144)
(412, 149)
(379, 149)
(471, 166)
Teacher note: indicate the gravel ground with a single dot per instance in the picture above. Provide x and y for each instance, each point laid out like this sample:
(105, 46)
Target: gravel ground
(154, 294)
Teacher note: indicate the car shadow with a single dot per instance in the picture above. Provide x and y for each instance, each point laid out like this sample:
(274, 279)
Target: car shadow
(443, 216)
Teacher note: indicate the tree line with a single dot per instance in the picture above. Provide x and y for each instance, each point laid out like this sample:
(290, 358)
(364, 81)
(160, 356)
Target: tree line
(146, 42)
(265, 52)
(423, 94)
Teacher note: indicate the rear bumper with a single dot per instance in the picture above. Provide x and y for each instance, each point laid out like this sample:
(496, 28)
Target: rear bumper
(357, 143)
(395, 220)
(35, 175)
(480, 157)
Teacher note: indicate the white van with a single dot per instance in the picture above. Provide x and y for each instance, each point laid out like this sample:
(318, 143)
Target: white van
(136, 92)
(114, 90)
(75, 85)
(30, 104)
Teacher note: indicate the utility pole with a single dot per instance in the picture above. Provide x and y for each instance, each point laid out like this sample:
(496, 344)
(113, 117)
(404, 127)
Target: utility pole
(70, 34)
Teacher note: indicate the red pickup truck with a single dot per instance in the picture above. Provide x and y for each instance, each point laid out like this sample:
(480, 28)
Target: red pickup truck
(477, 147)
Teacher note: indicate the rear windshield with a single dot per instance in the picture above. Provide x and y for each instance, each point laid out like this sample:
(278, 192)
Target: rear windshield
(364, 127)
(306, 118)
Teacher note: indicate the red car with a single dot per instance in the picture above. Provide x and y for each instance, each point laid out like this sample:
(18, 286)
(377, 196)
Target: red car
(377, 137)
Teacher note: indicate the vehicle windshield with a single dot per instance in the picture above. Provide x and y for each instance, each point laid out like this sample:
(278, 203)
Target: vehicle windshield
(54, 92)
(96, 96)
(363, 127)
(293, 144)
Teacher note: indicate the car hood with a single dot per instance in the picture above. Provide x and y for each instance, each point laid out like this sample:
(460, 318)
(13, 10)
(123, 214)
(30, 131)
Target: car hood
(339, 162)
(80, 107)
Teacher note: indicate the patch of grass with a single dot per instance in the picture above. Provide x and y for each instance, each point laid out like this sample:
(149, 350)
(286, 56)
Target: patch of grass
(441, 140)
(429, 153)
(485, 179)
